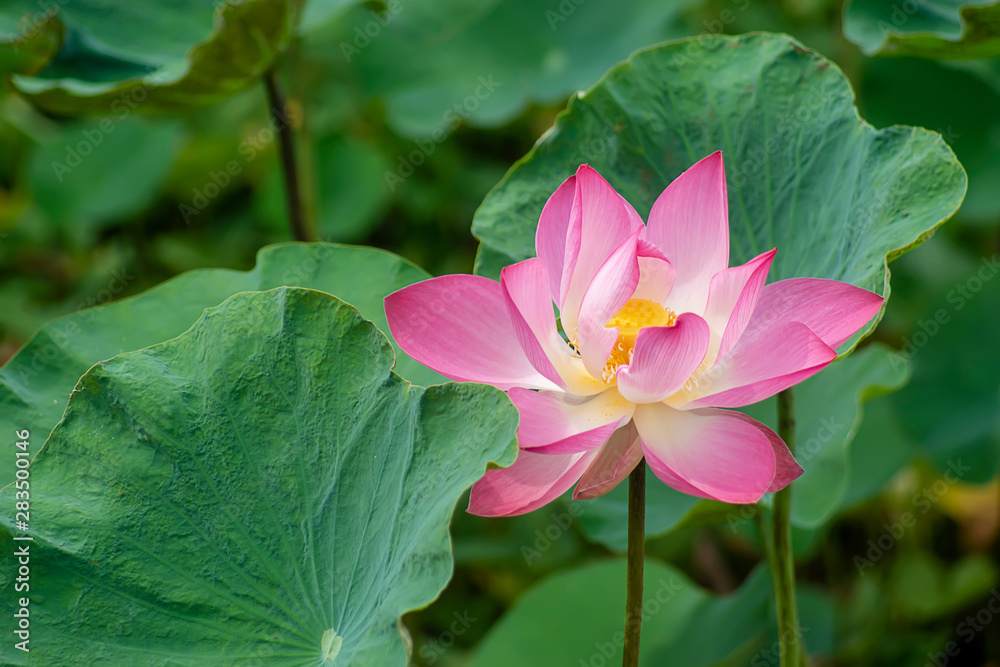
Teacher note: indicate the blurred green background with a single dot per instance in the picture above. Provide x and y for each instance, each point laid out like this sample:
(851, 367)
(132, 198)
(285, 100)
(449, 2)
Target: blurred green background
(406, 115)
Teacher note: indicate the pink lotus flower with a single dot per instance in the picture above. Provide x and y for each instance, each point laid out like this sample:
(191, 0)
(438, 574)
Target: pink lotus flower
(657, 335)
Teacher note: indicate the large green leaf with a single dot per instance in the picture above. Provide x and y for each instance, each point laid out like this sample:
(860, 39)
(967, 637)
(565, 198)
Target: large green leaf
(262, 486)
(805, 173)
(828, 415)
(36, 383)
(575, 618)
(200, 52)
(908, 90)
(483, 61)
(947, 29)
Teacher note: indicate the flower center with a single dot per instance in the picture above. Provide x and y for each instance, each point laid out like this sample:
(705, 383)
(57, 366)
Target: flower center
(633, 316)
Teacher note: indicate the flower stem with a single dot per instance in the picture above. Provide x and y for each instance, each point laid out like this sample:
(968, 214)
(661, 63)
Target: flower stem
(286, 143)
(782, 561)
(636, 553)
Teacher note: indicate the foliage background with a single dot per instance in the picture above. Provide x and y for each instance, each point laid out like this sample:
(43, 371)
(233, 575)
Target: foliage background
(398, 149)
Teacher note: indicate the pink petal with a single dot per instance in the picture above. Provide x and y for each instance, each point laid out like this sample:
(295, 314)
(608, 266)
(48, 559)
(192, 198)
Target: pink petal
(533, 481)
(673, 480)
(656, 274)
(721, 456)
(732, 296)
(759, 369)
(532, 316)
(787, 469)
(458, 325)
(581, 442)
(599, 223)
(690, 223)
(560, 423)
(615, 460)
(550, 239)
(647, 249)
(834, 310)
(610, 289)
(634, 219)
(534, 321)
(664, 359)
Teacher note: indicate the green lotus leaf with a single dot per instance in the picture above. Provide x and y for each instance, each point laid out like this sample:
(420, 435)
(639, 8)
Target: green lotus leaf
(113, 60)
(805, 174)
(36, 383)
(262, 489)
(945, 29)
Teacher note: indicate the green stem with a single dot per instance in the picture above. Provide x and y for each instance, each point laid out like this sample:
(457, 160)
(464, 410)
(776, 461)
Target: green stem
(782, 562)
(636, 552)
(289, 166)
